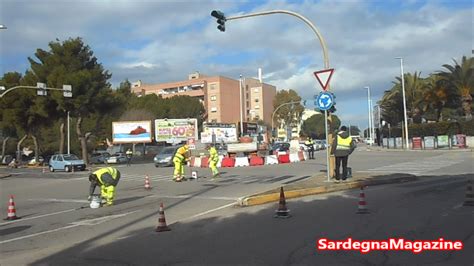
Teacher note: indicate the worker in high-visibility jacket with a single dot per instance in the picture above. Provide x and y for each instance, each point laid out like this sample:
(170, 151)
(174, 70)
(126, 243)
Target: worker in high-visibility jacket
(180, 158)
(213, 160)
(107, 178)
(342, 146)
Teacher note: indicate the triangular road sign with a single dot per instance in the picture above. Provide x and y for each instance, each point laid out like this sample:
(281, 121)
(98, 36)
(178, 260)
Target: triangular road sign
(324, 76)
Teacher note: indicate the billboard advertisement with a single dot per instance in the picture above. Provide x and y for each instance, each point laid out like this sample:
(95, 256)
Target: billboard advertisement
(175, 130)
(131, 132)
(226, 133)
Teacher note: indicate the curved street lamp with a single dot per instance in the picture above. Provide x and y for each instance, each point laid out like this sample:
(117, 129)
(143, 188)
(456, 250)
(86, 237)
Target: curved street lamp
(278, 107)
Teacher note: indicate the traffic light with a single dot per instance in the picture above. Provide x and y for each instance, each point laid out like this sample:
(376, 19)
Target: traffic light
(220, 19)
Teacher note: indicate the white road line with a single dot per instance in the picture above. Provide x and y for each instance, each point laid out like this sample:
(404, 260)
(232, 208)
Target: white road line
(89, 222)
(61, 200)
(40, 233)
(39, 216)
(191, 196)
(206, 212)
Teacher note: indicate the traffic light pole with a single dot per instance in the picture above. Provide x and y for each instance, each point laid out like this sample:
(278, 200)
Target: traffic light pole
(330, 160)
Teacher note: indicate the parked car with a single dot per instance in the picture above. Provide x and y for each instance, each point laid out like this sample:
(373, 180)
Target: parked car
(119, 157)
(99, 157)
(165, 156)
(33, 160)
(280, 147)
(66, 162)
(6, 159)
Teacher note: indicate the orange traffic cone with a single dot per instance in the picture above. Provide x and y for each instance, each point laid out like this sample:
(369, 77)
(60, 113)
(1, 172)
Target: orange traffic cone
(162, 221)
(147, 182)
(362, 209)
(11, 210)
(282, 211)
(469, 199)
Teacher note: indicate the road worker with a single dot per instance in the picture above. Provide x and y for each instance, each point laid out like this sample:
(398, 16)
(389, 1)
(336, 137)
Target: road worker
(213, 159)
(180, 158)
(310, 145)
(107, 178)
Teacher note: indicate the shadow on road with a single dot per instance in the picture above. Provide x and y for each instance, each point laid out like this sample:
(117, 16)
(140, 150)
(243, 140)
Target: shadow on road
(252, 236)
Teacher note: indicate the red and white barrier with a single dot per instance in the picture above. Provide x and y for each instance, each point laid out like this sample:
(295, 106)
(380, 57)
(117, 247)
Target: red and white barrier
(256, 160)
(241, 161)
(294, 158)
(271, 159)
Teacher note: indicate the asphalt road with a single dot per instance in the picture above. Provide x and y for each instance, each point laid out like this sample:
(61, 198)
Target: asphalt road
(57, 225)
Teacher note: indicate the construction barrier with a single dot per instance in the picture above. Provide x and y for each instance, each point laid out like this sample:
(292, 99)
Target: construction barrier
(219, 163)
(284, 158)
(204, 162)
(294, 158)
(301, 155)
(305, 155)
(271, 159)
(256, 160)
(197, 162)
(228, 162)
(241, 161)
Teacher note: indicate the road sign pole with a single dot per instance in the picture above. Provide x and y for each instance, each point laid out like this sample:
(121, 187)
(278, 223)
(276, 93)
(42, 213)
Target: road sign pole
(327, 148)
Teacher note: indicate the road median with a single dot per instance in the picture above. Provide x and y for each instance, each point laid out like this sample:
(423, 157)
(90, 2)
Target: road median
(317, 185)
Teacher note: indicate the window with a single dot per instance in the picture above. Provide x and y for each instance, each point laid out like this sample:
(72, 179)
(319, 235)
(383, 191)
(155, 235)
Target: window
(257, 106)
(213, 109)
(213, 97)
(212, 86)
(214, 121)
(256, 100)
(255, 89)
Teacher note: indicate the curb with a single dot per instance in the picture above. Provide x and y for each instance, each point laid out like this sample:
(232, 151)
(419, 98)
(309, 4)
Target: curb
(2, 176)
(275, 196)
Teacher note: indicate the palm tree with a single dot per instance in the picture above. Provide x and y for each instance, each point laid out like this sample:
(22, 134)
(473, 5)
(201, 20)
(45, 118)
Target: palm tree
(459, 78)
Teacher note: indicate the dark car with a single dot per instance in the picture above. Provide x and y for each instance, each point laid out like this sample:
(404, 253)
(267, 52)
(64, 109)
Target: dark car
(280, 147)
(99, 157)
(165, 156)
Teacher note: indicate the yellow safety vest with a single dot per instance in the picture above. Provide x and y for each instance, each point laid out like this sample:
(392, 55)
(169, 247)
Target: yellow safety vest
(343, 143)
(213, 156)
(112, 171)
(181, 153)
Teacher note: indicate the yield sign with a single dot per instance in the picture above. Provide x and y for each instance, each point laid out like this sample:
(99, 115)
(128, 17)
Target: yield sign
(323, 76)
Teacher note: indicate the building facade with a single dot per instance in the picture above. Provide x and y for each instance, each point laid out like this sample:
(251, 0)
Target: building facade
(220, 96)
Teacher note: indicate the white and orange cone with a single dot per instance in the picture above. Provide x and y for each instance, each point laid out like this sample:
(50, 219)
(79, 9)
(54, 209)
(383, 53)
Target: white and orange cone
(282, 211)
(162, 227)
(147, 182)
(11, 210)
(469, 199)
(362, 209)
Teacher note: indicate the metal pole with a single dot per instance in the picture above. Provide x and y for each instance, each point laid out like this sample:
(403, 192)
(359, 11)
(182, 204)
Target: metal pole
(404, 103)
(68, 135)
(278, 107)
(241, 114)
(369, 131)
(372, 132)
(327, 148)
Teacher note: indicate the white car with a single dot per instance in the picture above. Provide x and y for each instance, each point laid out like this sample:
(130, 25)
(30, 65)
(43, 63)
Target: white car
(117, 158)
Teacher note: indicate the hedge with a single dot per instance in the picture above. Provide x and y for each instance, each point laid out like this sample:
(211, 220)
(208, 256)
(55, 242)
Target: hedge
(434, 129)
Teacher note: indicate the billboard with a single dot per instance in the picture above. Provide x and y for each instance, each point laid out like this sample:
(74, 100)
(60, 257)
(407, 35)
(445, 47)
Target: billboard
(131, 132)
(226, 133)
(175, 130)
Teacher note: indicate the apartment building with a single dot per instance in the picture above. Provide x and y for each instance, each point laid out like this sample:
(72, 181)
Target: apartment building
(220, 96)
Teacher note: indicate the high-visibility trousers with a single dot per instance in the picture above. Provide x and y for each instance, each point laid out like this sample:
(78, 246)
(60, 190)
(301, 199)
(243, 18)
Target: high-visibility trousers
(213, 167)
(108, 193)
(178, 167)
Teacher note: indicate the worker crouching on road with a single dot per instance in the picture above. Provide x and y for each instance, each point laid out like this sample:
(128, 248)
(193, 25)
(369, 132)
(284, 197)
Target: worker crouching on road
(213, 159)
(107, 178)
(180, 158)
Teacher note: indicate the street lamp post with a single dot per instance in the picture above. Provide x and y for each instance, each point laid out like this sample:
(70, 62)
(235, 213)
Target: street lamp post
(241, 108)
(369, 110)
(278, 107)
(404, 103)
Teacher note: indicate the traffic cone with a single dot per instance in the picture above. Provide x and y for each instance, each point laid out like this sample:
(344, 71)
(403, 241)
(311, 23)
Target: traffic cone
(147, 182)
(44, 170)
(162, 221)
(11, 210)
(282, 211)
(362, 209)
(469, 199)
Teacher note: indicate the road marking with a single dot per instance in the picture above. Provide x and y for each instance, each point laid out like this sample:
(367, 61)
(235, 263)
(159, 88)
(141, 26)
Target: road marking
(39, 216)
(89, 222)
(61, 200)
(191, 196)
(209, 211)
(38, 234)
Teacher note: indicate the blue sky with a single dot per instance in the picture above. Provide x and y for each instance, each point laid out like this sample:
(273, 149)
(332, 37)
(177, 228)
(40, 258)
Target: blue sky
(164, 41)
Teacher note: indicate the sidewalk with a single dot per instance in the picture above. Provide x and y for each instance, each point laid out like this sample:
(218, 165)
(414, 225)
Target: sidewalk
(318, 185)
